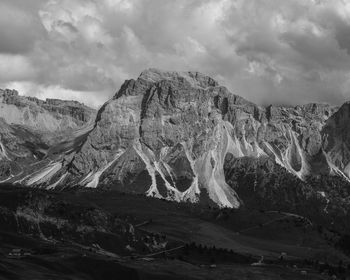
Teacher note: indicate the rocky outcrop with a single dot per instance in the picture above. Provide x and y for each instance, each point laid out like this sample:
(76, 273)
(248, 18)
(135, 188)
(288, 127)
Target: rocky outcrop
(173, 135)
(169, 134)
(49, 115)
(336, 139)
(34, 133)
(168, 125)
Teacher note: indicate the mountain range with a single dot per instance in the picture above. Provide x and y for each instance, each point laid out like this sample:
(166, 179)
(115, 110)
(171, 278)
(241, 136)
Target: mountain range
(175, 177)
(177, 136)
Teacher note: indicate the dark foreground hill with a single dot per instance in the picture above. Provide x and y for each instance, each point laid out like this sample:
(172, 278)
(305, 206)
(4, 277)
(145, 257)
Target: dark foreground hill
(91, 235)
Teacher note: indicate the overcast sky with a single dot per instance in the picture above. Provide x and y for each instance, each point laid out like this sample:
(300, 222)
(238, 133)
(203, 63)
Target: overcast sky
(268, 51)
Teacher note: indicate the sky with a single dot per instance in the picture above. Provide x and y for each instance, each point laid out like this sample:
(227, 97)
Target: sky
(268, 51)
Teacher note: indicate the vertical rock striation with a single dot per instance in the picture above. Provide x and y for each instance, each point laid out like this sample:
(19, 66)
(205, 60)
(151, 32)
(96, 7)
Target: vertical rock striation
(170, 135)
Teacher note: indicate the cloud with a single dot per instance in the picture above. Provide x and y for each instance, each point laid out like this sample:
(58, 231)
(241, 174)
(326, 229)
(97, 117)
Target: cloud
(269, 51)
(14, 67)
(19, 29)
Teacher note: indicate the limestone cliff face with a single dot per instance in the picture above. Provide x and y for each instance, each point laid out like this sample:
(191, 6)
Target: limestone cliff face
(165, 128)
(34, 133)
(336, 139)
(170, 134)
(49, 115)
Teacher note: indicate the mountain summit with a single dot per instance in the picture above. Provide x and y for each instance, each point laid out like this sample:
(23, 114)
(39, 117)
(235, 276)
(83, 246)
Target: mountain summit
(172, 135)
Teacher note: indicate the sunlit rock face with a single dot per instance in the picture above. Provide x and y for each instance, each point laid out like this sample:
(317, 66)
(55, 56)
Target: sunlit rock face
(169, 125)
(49, 115)
(336, 140)
(34, 133)
(293, 137)
(170, 134)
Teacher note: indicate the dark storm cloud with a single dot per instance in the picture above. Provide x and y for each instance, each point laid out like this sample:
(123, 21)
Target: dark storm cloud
(269, 51)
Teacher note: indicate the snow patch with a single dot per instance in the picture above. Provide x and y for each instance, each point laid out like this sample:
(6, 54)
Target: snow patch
(93, 182)
(193, 192)
(153, 190)
(156, 167)
(284, 158)
(3, 152)
(210, 167)
(44, 175)
(272, 150)
(243, 148)
(334, 169)
(8, 178)
(54, 185)
(85, 179)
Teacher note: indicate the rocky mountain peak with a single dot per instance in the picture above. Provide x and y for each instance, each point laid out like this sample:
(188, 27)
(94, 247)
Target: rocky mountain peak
(152, 76)
(195, 79)
(170, 134)
(163, 118)
(47, 115)
(8, 92)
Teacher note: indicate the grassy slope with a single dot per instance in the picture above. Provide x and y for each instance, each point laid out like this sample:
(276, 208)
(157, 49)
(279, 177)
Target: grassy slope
(182, 223)
(187, 223)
